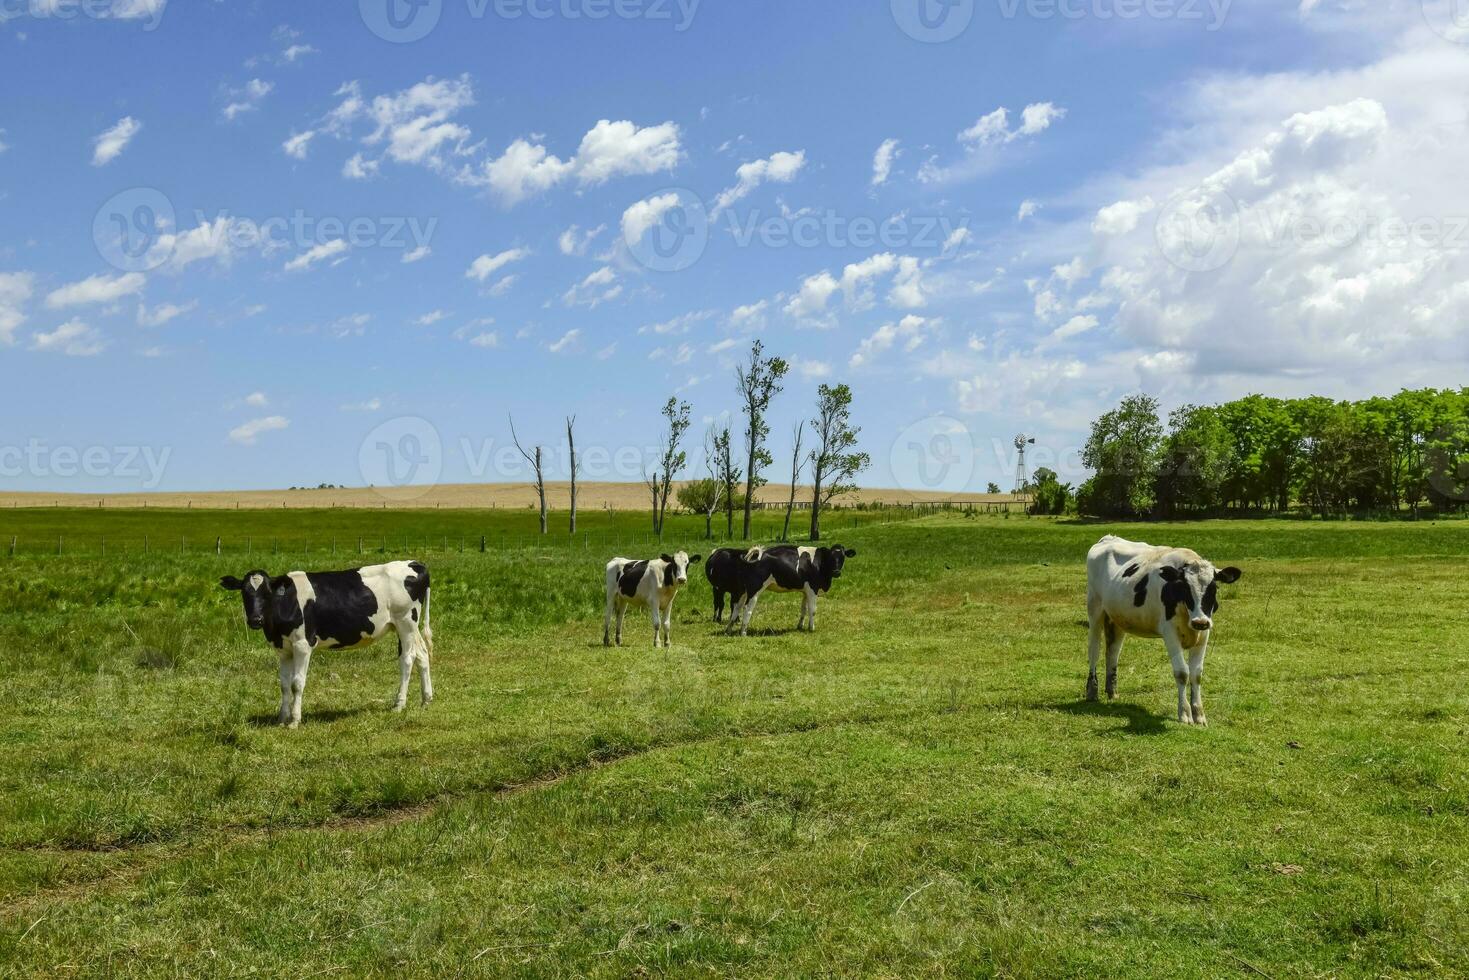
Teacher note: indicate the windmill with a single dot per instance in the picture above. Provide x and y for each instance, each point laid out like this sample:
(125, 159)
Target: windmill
(1022, 475)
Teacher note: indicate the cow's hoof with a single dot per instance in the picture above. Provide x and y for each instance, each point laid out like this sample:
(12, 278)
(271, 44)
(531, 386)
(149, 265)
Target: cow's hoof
(398, 708)
(1200, 720)
(1185, 719)
(292, 725)
(1091, 689)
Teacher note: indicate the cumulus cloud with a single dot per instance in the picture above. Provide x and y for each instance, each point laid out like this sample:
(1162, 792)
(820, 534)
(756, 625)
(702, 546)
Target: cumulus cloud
(96, 289)
(608, 150)
(110, 144)
(575, 241)
(246, 98)
(417, 255)
(487, 265)
(163, 313)
(15, 292)
(299, 144)
(909, 332)
(983, 141)
(780, 168)
(882, 162)
(249, 433)
(318, 253)
(73, 338)
(1028, 208)
(856, 284)
(596, 289)
(641, 216)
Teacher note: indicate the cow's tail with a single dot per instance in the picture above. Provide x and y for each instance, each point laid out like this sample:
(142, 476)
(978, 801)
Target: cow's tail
(755, 553)
(428, 630)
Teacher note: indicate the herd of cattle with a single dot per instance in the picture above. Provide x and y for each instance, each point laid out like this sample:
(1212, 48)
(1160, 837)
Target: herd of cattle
(1132, 589)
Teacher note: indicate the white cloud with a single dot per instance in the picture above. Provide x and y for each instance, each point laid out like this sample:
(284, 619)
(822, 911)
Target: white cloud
(1037, 117)
(317, 253)
(163, 313)
(810, 300)
(371, 405)
(250, 433)
(681, 354)
(247, 98)
(1028, 208)
(958, 237)
(983, 142)
(487, 265)
(992, 128)
(911, 331)
(257, 399)
(73, 338)
(681, 324)
(596, 289)
(15, 291)
(3, 145)
(429, 319)
(299, 144)
(882, 162)
(358, 167)
(780, 168)
(96, 289)
(641, 216)
(487, 340)
(1121, 217)
(417, 255)
(750, 316)
(1075, 326)
(569, 342)
(108, 146)
(609, 149)
(574, 241)
(812, 370)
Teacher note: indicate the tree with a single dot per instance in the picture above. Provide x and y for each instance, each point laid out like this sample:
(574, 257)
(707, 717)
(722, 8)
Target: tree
(759, 383)
(1047, 493)
(992, 488)
(1122, 450)
(834, 462)
(671, 459)
(571, 455)
(728, 476)
(1194, 463)
(535, 462)
(796, 465)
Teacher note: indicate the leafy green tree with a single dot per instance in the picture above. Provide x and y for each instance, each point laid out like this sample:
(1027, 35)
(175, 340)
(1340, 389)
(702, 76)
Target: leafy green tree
(835, 462)
(1195, 463)
(759, 382)
(1122, 450)
(1048, 494)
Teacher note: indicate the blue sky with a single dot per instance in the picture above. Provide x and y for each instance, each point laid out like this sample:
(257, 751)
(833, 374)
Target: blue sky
(337, 240)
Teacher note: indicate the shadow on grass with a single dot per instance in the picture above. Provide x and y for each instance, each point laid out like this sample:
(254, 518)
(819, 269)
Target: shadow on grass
(1139, 720)
(269, 719)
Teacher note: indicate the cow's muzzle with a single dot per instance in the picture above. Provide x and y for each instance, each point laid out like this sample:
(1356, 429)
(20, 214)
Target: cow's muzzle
(255, 624)
(1201, 624)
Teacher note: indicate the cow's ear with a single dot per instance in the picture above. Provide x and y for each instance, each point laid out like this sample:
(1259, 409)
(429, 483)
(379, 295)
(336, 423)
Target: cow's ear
(1168, 573)
(1228, 576)
(695, 559)
(851, 552)
(231, 584)
(667, 558)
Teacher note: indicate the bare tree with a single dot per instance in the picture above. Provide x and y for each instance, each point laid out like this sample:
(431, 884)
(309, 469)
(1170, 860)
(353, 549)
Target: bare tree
(797, 463)
(759, 382)
(671, 459)
(571, 452)
(535, 462)
(834, 463)
(717, 487)
(728, 475)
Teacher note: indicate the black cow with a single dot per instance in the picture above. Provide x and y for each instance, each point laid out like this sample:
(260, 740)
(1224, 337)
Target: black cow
(304, 611)
(745, 576)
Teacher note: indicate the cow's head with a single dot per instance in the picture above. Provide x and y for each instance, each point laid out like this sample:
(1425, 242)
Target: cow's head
(1193, 586)
(676, 568)
(829, 563)
(256, 589)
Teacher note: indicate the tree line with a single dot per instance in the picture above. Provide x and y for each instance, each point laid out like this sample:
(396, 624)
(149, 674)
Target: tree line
(730, 481)
(1258, 454)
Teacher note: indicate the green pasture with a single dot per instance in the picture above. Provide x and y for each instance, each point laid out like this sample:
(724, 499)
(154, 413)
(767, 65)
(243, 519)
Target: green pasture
(916, 789)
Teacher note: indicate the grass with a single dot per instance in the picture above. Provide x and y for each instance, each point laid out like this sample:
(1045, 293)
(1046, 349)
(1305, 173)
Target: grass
(917, 788)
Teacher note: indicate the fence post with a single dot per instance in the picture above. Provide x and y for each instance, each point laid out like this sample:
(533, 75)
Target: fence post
(58, 545)
(481, 544)
(217, 546)
(12, 546)
(145, 544)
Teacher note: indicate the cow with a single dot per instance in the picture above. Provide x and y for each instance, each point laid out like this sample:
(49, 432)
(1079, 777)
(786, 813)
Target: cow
(1142, 590)
(651, 584)
(300, 612)
(809, 570)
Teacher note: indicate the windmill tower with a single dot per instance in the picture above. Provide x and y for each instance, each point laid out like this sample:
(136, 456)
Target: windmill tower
(1022, 474)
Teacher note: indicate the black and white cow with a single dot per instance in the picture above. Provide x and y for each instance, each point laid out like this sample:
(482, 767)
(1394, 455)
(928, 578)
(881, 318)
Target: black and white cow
(300, 612)
(745, 576)
(651, 584)
(1172, 593)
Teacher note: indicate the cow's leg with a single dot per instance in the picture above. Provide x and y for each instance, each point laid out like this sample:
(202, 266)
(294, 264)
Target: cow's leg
(621, 611)
(406, 657)
(749, 611)
(811, 609)
(736, 610)
(1097, 627)
(1115, 639)
(286, 669)
(1180, 675)
(607, 622)
(411, 639)
(668, 625)
(1196, 681)
(718, 606)
(300, 663)
(657, 609)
